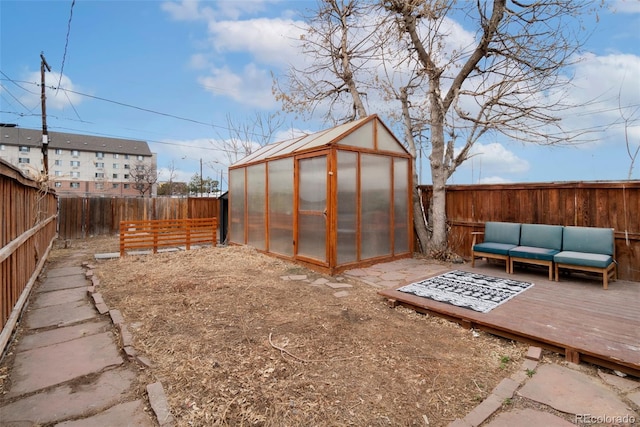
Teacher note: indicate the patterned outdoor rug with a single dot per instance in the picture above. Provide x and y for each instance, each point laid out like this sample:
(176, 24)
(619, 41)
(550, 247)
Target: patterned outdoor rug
(469, 290)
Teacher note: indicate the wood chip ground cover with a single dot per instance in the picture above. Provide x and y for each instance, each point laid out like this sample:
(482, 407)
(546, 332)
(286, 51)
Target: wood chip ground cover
(235, 343)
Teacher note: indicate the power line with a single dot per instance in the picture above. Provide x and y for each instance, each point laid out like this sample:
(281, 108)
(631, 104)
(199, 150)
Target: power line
(5, 89)
(66, 44)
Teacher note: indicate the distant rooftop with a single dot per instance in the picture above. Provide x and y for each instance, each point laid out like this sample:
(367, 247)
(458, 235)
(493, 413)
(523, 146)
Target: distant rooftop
(14, 135)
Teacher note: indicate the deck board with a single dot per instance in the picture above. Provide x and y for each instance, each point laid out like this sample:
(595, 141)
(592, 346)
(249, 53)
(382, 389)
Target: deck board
(575, 314)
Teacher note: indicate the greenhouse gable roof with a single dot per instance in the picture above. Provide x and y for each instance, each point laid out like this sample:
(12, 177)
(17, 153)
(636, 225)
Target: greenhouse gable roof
(327, 137)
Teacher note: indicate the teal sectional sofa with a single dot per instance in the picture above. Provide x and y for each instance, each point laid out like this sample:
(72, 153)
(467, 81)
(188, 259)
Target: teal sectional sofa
(539, 243)
(499, 238)
(589, 249)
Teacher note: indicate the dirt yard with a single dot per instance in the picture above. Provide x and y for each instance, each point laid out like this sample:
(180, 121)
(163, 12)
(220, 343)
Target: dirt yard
(234, 343)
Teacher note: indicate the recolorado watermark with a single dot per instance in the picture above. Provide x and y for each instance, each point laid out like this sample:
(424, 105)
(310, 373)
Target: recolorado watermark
(613, 420)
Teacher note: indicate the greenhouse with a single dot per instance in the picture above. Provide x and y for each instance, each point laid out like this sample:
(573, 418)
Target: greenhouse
(333, 200)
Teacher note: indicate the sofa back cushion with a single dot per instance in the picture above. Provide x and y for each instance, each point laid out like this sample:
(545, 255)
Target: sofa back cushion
(502, 232)
(541, 236)
(588, 239)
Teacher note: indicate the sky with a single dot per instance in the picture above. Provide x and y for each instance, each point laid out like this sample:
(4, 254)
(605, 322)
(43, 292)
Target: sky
(177, 73)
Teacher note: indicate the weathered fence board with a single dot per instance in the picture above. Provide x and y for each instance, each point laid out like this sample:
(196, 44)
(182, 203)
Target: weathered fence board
(27, 230)
(590, 204)
(82, 217)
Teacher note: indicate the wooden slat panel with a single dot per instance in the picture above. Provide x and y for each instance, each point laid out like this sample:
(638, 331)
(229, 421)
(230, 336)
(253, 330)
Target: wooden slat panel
(27, 228)
(156, 234)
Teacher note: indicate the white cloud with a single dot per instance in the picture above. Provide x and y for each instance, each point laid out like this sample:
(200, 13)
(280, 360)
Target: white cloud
(251, 87)
(269, 41)
(198, 61)
(493, 180)
(606, 89)
(494, 158)
(626, 6)
(56, 99)
(187, 10)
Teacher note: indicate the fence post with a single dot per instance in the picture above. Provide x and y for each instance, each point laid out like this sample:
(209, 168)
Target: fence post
(187, 224)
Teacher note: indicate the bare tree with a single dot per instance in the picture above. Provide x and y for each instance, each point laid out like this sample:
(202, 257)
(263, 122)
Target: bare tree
(171, 168)
(628, 119)
(243, 135)
(339, 43)
(144, 177)
(506, 80)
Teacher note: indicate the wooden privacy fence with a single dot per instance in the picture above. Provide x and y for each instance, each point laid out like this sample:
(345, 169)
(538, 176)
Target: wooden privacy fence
(81, 217)
(589, 204)
(166, 233)
(27, 230)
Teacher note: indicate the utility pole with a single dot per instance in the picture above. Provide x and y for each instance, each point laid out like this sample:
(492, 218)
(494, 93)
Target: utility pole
(43, 98)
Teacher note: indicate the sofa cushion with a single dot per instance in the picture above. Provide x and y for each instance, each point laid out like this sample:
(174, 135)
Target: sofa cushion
(583, 259)
(531, 252)
(541, 236)
(502, 232)
(493, 248)
(588, 239)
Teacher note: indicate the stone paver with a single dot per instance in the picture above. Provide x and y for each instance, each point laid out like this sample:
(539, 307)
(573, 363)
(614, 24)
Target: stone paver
(572, 392)
(59, 335)
(158, 401)
(528, 418)
(47, 366)
(62, 282)
(47, 299)
(64, 271)
(334, 285)
(126, 414)
(620, 383)
(66, 401)
(60, 315)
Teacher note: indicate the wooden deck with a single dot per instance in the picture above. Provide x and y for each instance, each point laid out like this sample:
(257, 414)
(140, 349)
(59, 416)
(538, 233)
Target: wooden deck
(574, 317)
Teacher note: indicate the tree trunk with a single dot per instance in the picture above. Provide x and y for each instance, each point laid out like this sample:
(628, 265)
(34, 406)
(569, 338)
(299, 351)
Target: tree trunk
(438, 242)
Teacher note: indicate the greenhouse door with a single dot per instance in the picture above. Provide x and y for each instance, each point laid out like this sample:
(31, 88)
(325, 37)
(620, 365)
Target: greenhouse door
(312, 209)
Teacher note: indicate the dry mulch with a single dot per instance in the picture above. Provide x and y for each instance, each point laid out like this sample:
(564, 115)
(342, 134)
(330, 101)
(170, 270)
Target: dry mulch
(234, 343)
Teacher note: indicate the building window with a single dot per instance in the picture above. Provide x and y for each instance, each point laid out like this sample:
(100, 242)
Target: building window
(74, 185)
(140, 158)
(115, 185)
(75, 153)
(126, 176)
(24, 149)
(116, 155)
(58, 173)
(99, 175)
(116, 166)
(115, 176)
(58, 163)
(99, 155)
(99, 164)
(23, 160)
(2, 147)
(99, 186)
(58, 150)
(126, 156)
(75, 163)
(126, 166)
(75, 174)
(58, 184)
(127, 185)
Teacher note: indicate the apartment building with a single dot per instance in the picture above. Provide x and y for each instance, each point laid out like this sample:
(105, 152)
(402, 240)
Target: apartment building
(82, 165)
